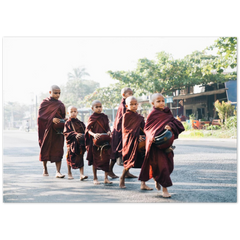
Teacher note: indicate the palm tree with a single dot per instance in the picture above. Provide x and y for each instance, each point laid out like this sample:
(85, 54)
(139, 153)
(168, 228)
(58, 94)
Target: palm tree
(78, 73)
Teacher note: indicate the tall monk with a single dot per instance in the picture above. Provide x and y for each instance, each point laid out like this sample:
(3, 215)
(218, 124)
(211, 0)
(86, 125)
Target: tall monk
(74, 131)
(132, 133)
(158, 163)
(116, 143)
(50, 141)
(99, 158)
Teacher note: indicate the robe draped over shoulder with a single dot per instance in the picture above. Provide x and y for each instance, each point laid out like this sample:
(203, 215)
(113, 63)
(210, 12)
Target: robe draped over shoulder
(51, 143)
(157, 163)
(116, 144)
(132, 123)
(93, 153)
(76, 149)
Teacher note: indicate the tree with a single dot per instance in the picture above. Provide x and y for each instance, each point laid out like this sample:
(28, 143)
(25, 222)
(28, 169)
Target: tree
(167, 75)
(227, 53)
(14, 112)
(77, 73)
(109, 96)
(75, 89)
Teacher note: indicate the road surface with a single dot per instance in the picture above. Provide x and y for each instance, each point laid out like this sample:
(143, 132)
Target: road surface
(205, 171)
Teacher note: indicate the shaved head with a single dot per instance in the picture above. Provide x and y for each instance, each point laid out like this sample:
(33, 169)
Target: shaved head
(129, 99)
(125, 90)
(155, 96)
(54, 87)
(70, 107)
(95, 102)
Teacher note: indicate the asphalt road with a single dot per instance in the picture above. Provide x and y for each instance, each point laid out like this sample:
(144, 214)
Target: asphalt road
(205, 171)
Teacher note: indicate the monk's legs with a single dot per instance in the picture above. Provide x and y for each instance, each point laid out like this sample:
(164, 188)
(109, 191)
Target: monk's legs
(45, 171)
(122, 178)
(106, 178)
(165, 193)
(82, 176)
(157, 185)
(95, 179)
(69, 172)
(111, 165)
(129, 175)
(58, 167)
(144, 186)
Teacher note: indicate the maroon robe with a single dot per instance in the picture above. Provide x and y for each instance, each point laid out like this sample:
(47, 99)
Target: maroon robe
(116, 144)
(157, 163)
(51, 143)
(93, 152)
(132, 123)
(76, 148)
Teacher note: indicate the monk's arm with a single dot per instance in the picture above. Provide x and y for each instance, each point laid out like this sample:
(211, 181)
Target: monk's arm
(95, 135)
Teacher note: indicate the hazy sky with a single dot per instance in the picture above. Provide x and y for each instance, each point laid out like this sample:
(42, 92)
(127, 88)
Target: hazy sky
(31, 65)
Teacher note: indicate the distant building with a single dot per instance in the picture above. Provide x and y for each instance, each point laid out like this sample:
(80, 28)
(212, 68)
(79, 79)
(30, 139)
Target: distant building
(199, 100)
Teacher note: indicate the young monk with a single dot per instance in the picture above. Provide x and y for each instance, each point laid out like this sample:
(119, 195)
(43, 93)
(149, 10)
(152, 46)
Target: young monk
(97, 123)
(132, 133)
(116, 144)
(51, 143)
(158, 163)
(74, 131)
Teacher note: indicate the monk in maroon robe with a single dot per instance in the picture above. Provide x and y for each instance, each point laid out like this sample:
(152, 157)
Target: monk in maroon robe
(99, 158)
(116, 143)
(132, 125)
(74, 131)
(51, 143)
(132, 133)
(158, 163)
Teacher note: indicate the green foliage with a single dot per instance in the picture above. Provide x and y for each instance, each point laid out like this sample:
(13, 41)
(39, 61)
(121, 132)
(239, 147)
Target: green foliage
(78, 73)
(192, 116)
(109, 96)
(213, 127)
(13, 112)
(186, 126)
(227, 53)
(231, 123)
(224, 109)
(166, 74)
(75, 89)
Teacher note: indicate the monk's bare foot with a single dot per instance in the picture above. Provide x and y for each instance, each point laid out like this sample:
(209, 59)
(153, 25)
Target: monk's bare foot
(165, 193)
(96, 182)
(122, 183)
(70, 177)
(83, 177)
(112, 175)
(145, 187)
(45, 173)
(59, 175)
(106, 181)
(129, 175)
(157, 186)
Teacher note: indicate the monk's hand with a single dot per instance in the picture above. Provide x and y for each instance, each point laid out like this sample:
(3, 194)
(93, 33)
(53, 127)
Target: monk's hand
(56, 120)
(97, 135)
(168, 127)
(109, 133)
(79, 135)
